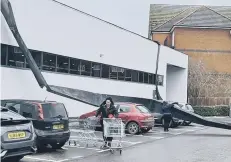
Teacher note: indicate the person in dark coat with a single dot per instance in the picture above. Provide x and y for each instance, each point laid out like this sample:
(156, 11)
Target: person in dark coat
(107, 108)
(167, 115)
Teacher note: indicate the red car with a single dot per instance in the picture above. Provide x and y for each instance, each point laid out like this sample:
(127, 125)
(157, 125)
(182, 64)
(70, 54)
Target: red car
(136, 117)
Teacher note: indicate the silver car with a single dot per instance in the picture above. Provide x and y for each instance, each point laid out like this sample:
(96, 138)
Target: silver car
(17, 136)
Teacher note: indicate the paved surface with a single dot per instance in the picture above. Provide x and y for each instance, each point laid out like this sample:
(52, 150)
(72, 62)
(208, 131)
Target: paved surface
(208, 145)
(79, 151)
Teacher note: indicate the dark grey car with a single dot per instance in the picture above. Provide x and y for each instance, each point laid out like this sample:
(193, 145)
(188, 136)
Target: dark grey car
(17, 136)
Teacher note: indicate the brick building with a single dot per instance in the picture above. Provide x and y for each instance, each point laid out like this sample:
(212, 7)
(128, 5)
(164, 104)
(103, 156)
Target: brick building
(202, 32)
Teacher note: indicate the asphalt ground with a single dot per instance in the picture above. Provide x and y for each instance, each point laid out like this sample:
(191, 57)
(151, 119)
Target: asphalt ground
(76, 148)
(206, 145)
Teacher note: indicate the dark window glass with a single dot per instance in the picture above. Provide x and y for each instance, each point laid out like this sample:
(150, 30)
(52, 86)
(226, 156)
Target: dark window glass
(142, 109)
(74, 66)
(3, 54)
(145, 77)
(151, 78)
(105, 71)
(121, 73)
(15, 57)
(135, 75)
(96, 69)
(28, 111)
(160, 79)
(85, 68)
(13, 106)
(62, 64)
(141, 77)
(128, 75)
(113, 72)
(49, 62)
(54, 110)
(124, 109)
(37, 58)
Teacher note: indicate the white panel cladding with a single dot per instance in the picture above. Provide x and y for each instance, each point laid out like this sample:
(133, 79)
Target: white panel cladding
(48, 26)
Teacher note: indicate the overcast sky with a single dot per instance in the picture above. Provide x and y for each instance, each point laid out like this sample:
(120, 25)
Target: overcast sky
(131, 14)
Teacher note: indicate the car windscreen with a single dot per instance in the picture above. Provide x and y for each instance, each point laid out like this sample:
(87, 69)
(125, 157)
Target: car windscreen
(53, 110)
(142, 109)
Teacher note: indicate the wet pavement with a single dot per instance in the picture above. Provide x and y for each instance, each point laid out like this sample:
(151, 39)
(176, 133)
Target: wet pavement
(75, 150)
(206, 145)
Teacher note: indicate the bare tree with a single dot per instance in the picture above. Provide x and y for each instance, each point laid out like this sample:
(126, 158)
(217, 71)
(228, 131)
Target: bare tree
(203, 82)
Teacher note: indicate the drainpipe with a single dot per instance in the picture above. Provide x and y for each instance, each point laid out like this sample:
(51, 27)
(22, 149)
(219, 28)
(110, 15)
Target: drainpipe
(173, 39)
(7, 12)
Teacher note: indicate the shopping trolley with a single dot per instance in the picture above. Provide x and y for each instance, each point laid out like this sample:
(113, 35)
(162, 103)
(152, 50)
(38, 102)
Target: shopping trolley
(114, 127)
(84, 132)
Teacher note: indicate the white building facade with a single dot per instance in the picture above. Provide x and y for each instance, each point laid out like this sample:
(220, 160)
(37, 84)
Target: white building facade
(76, 50)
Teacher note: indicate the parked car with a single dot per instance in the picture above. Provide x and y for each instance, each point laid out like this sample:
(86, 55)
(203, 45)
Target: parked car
(158, 115)
(50, 120)
(189, 108)
(17, 136)
(136, 117)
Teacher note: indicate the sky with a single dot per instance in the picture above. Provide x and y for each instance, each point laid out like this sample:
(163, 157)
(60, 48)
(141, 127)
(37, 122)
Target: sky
(131, 14)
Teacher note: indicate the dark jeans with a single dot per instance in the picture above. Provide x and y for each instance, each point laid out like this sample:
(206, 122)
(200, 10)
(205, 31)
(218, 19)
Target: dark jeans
(106, 139)
(167, 119)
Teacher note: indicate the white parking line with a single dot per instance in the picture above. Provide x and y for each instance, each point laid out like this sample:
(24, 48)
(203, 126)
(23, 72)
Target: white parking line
(39, 159)
(81, 147)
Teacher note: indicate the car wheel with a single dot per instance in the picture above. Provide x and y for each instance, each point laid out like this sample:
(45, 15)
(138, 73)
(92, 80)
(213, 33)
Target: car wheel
(13, 159)
(40, 146)
(58, 146)
(133, 128)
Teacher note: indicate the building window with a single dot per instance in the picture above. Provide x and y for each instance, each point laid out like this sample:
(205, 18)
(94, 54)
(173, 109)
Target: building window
(105, 71)
(62, 64)
(151, 78)
(113, 72)
(37, 58)
(3, 54)
(160, 80)
(96, 69)
(121, 73)
(135, 76)
(141, 77)
(85, 68)
(49, 62)
(128, 75)
(15, 57)
(74, 66)
(145, 77)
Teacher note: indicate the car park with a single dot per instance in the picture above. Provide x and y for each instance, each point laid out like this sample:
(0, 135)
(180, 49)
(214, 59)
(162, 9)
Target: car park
(50, 120)
(17, 136)
(136, 117)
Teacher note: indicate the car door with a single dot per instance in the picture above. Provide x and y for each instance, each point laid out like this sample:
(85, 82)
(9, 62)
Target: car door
(124, 111)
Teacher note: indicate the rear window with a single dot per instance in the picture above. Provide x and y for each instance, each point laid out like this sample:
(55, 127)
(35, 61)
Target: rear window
(142, 109)
(54, 110)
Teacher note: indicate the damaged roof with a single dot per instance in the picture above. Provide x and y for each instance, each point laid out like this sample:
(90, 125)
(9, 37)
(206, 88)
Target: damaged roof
(163, 17)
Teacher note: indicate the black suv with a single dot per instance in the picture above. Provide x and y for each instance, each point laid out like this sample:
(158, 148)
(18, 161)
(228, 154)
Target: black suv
(50, 120)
